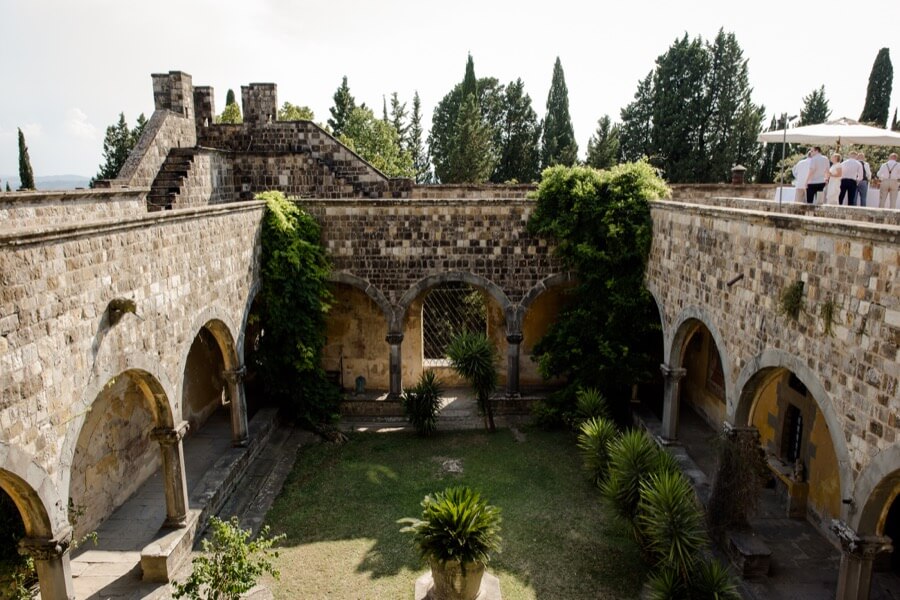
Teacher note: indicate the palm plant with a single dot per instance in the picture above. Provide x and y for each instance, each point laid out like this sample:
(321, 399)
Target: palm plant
(594, 438)
(711, 579)
(666, 584)
(632, 457)
(589, 402)
(456, 525)
(671, 521)
(472, 356)
(422, 402)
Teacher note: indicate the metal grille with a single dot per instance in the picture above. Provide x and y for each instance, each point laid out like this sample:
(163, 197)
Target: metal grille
(448, 310)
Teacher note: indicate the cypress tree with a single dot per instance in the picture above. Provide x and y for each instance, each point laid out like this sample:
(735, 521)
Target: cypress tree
(471, 160)
(8, 189)
(519, 138)
(603, 147)
(229, 97)
(415, 143)
(878, 94)
(398, 117)
(26, 175)
(138, 130)
(815, 108)
(558, 145)
(469, 83)
(635, 133)
(117, 146)
(344, 104)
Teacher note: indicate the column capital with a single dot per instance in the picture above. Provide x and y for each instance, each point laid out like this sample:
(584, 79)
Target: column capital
(670, 373)
(235, 376)
(515, 337)
(169, 436)
(394, 337)
(864, 547)
(46, 548)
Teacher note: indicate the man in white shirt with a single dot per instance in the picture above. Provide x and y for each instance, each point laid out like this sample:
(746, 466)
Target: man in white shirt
(801, 174)
(850, 175)
(862, 188)
(889, 174)
(818, 169)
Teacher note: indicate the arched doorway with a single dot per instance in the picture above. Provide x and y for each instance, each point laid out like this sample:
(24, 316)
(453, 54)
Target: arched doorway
(540, 314)
(356, 330)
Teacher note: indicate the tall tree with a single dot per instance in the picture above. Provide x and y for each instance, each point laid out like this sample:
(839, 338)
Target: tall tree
(603, 147)
(472, 158)
(229, 97)
(878, 94)
(415, 143)
(558, 145)
(635, 133)
(8, 189)
(398, 116)
(138, 130)
(26, 175)
(344, 104)
(376, 141)
(231, 115)
(292, 112)
(815, 108)
(519, 138)
(117, 146)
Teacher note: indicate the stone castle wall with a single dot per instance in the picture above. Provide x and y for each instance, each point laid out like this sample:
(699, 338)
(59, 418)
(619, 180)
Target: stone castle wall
(698, 249)
(29, 210)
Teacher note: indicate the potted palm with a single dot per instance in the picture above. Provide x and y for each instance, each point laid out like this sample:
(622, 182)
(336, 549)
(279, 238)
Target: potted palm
(456, 535)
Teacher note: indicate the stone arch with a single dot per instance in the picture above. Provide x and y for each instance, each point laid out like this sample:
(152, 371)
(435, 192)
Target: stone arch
(683, 328)
(759, 371)
(156, 390)
(873, 492)
(542, 286)
(215, 320)
(497, 293)
(245, 316)
(34, 493)
(662, 318)
(368, 289)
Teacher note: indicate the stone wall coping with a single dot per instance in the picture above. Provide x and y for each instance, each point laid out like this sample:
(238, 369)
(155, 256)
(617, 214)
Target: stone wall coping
(412, 202)
(871, 231)
(54, 233)
(79, 194)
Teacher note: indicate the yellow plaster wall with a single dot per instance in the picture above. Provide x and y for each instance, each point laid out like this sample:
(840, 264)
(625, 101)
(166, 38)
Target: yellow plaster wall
(356, 329)
(695, 387)
(542, 313)
(114, 454)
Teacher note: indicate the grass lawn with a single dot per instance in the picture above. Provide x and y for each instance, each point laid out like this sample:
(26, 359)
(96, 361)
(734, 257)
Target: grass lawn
(340, 505)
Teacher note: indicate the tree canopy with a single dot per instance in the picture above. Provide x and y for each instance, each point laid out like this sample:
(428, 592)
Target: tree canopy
(815, 108)
(117, 146)
(878, 92)
(603, 147)
(377, 142)
(292, 112)
(344, 103)
(558, 145)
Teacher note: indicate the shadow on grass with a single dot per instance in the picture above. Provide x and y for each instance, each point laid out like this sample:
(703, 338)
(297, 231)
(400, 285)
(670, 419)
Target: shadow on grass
(340, 505)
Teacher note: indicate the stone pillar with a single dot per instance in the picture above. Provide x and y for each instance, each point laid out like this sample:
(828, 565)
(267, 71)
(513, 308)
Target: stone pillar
(204, 106)
(395, 339)
(857, 555)
(174, 477)
(239, 430)
(671, 380)
(51, 561)
(512, 363)
(260, 102)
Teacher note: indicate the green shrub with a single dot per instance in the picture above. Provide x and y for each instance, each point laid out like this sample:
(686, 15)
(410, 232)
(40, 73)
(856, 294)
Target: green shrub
(671, 521)
(633, 456)
(590, 403)
(594, 439)
(456, 524)
(231, 563)
(473, 357)
(711, 579)
(666, 584)
(422, 402)
(791, 300)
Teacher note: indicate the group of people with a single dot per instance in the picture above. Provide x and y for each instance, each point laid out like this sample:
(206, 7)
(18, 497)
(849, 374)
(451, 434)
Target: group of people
(846, 178)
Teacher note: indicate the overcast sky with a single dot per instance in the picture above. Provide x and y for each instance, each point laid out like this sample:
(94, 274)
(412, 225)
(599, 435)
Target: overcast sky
(71, 66)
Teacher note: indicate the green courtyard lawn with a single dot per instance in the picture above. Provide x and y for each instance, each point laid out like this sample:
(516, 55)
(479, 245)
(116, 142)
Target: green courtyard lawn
(340, 505)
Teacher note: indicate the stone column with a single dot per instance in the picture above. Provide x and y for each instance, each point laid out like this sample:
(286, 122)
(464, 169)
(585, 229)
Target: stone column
(395, 338)
(512, 364)
(174, 477)
(239, 429)
(51, 561)
(671, 379)
(857, 555)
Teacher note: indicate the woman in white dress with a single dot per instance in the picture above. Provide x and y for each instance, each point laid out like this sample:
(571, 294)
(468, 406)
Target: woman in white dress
(833, 189)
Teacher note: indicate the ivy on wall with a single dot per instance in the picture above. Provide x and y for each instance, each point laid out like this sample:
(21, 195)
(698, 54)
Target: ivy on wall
(294, 300)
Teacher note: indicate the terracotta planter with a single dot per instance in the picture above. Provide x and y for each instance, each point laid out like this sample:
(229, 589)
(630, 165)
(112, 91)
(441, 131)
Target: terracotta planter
(452, 582)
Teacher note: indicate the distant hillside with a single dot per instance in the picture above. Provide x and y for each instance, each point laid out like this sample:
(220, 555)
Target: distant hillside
(49, 182)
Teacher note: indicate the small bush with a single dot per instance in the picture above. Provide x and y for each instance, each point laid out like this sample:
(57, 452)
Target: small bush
(666, 584)
(711, 579)
(456, 524)
(590, 403)
(594, 438)
(791, 301)
(230, 565)
(632, 457)
(671, 521)
(422, 402)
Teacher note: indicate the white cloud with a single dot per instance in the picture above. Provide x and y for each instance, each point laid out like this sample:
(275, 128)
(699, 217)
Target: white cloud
(77, 125)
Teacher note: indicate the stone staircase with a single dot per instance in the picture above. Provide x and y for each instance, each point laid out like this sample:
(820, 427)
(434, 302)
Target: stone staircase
(171, 177)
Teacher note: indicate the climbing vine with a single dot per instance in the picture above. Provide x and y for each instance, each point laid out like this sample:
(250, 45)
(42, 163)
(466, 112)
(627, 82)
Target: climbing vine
(601, 223)
(293, 302)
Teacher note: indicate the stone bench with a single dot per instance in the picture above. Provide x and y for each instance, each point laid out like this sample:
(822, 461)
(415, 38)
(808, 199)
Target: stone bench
(749, 553)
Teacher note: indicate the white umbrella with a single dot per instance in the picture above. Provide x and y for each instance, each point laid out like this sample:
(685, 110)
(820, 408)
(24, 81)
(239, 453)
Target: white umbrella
(841, 131)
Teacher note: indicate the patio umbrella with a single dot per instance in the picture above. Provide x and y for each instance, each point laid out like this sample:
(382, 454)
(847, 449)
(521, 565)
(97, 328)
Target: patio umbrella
(841, 131)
